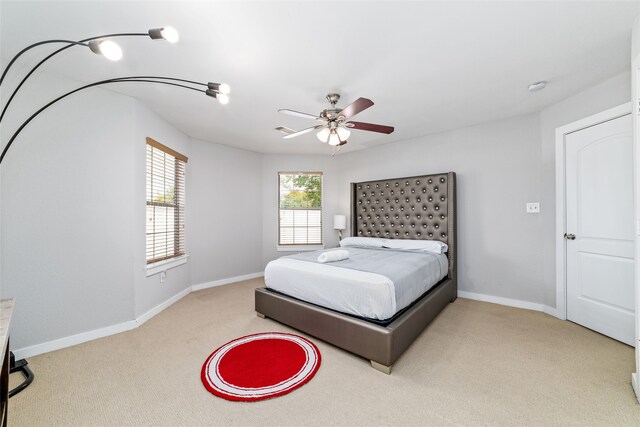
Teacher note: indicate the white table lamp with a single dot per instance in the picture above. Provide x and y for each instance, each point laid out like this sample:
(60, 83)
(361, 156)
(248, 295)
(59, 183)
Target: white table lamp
(339, 223)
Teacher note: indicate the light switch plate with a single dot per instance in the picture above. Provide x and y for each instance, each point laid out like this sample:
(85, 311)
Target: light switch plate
(533, 207)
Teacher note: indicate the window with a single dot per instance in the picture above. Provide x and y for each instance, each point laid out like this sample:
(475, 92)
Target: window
(300, 208)
(165, 202)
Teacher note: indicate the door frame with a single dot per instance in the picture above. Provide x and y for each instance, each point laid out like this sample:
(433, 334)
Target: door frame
(561, 209)
(635, 99)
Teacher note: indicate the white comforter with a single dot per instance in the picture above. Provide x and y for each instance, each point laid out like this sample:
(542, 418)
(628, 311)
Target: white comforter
(356, 292)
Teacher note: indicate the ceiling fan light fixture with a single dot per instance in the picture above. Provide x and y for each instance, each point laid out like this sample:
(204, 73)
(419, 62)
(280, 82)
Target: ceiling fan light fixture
(165, 33)
(335, 128)
(323, 135)
(107, 48)
(343, 133)
(334, 139)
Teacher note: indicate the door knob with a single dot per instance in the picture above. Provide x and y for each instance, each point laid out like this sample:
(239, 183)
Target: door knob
(569, 236)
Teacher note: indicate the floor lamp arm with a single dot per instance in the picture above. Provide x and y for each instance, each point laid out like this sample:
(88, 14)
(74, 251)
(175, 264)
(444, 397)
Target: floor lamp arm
(61, 97)
(19, 54)
(71, 44)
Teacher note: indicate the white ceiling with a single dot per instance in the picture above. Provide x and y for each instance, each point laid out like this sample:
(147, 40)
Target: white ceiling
(428, 66)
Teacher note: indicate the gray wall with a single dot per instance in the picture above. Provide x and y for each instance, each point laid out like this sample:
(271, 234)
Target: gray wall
(0, 236)
(67, 198)
(501, 165)
(73, 209)
(498, 171)
(224, 213)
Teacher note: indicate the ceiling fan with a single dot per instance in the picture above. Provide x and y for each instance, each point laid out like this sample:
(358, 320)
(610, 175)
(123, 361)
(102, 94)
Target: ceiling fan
(335, 127)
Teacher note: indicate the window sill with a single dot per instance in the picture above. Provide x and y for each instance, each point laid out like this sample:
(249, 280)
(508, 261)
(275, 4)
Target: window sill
(299, 248)
(158, 267)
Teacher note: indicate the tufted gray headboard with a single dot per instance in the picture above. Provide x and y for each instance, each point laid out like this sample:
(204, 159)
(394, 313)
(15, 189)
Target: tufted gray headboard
(415, 207)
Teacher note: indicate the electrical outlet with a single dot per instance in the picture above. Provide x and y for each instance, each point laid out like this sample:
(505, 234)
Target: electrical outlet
(533, 207)
(163, 276)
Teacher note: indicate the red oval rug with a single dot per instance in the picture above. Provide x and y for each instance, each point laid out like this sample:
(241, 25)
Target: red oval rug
(260, 366)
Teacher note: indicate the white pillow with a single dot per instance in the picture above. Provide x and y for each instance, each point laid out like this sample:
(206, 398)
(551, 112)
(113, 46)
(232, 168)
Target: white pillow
(366, 242)
(435, 246)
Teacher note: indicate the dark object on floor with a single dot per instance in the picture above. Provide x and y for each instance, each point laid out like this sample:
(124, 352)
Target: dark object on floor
(20, 366)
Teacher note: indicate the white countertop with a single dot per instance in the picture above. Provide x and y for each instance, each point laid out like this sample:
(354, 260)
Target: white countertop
(6, 310)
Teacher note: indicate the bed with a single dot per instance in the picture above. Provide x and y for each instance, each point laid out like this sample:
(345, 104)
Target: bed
(418, 207)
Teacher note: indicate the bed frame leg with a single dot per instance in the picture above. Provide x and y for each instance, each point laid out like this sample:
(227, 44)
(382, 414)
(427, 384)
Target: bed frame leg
(380, 367)
(260, 315)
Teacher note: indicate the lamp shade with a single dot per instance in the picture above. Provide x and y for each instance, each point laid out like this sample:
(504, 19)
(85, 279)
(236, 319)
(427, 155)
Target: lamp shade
(107, 48)
(339, 222)
(334, 139)
(343, 133)
(170, 34)
(323, 135)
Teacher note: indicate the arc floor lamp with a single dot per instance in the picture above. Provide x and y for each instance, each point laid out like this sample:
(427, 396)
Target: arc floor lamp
(105, 46)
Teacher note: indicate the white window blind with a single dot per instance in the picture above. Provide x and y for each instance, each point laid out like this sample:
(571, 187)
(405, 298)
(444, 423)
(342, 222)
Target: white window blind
(165, 202)
(300, 208)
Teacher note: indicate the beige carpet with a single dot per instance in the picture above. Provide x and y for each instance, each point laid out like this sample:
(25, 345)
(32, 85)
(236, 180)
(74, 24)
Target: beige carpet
(476, 364)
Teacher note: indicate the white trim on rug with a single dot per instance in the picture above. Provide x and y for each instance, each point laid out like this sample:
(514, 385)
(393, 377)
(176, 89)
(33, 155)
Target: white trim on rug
(226, 281)
(94, 334)
(508, 302)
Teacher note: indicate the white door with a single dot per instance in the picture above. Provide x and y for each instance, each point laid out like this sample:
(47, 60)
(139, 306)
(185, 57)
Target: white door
(599, 206)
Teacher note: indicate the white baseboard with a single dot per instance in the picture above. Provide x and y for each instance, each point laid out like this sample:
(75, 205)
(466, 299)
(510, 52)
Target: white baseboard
(80, 338)
(226, 281)
(83, 337)
(552, 312)
(634, 384)
(508, 302)
(158, 308)
(72, 340)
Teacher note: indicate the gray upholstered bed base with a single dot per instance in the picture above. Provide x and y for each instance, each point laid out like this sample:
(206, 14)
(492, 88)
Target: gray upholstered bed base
(419, 207)
(382, 345)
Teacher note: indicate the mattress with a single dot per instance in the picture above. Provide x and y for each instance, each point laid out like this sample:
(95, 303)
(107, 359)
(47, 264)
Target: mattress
(372, 283)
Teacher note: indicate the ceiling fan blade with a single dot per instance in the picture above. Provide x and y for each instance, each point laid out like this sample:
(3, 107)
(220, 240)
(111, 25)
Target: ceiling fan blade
(302, 132)
(285, 129)
(297, 114)
(370, 127)
(355, 107)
